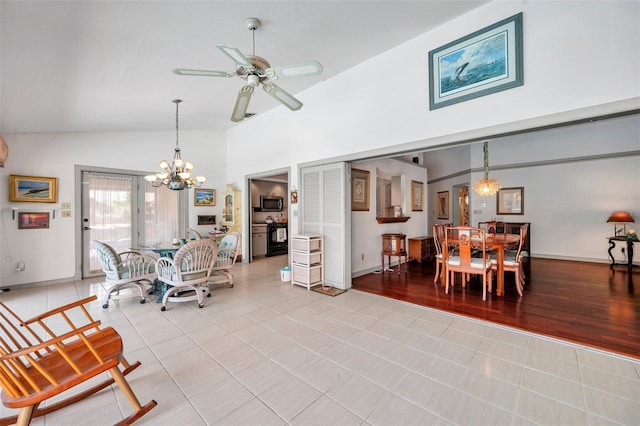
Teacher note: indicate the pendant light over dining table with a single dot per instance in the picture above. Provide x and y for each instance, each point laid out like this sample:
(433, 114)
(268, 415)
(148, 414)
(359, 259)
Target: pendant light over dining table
(177, 175)
(486, 187)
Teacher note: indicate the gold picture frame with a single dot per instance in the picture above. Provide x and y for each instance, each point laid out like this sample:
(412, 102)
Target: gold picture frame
(443, 205)
(359, 190)
(204, 197)
(417, 196)
(33, 189)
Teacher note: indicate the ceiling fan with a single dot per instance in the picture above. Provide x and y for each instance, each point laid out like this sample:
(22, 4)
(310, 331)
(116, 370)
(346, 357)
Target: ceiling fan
(256, 70)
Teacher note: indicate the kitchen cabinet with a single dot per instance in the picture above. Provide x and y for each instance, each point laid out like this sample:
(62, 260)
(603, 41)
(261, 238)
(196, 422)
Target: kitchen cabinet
(259, 240)
(267, 188)
(255, 193)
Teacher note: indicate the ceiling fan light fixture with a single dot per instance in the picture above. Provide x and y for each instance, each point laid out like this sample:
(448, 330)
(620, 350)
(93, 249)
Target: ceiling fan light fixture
(253, 80)
(256, 71)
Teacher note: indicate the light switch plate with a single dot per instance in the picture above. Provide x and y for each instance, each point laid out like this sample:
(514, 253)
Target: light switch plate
(66, 213)
(66, 206)
(482, 205)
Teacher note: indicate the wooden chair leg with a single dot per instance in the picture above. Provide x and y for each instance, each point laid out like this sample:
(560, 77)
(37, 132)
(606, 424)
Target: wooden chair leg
(437, 276)
(24, 417)
(446, 280)
(484, 287)
(518, 278)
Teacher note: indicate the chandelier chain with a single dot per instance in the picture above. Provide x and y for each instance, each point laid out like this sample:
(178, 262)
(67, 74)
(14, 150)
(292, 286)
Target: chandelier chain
(486, 161)
(176, 175)
(177, 102)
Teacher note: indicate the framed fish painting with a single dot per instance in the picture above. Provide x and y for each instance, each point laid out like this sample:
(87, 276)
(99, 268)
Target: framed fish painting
(484, 62)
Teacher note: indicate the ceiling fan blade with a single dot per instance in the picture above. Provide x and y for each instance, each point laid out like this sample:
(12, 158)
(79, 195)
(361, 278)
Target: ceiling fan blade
(282, 96)
(203, 73)
(242, 103)
(303, 69)
(235, 55)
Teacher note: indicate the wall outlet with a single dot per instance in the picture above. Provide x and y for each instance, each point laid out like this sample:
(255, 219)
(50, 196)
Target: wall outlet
(66, 213)
(21, 266)
(362, 256)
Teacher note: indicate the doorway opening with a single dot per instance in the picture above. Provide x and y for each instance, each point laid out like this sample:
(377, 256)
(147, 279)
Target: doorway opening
(461, 204)
(268, 215)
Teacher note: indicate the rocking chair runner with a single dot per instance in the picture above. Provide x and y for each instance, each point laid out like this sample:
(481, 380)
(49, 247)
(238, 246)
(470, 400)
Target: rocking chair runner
(37, 363)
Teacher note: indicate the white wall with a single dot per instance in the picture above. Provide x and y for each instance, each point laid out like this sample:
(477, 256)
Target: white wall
(50, 254)
(570, 49)
(366, 232)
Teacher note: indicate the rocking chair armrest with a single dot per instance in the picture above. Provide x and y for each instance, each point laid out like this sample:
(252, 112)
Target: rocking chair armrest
(60, 309)
(54, 341)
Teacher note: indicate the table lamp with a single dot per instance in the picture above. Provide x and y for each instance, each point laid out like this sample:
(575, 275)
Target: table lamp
(620, 220)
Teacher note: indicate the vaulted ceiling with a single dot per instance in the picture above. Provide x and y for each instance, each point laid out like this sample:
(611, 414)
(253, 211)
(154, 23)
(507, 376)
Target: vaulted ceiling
(99, 66)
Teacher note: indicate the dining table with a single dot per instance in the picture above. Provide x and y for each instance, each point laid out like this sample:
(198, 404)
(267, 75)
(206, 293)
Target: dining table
(500, 242)
(163, 250)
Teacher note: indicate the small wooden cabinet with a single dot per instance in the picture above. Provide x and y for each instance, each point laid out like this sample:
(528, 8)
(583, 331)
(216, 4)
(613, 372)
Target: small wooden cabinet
(394, 245)
(421, 248)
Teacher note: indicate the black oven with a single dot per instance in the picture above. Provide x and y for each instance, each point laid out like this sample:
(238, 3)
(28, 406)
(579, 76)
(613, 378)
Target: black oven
(277, 239)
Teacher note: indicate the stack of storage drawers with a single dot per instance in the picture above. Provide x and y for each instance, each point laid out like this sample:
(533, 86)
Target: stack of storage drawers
(307, 260)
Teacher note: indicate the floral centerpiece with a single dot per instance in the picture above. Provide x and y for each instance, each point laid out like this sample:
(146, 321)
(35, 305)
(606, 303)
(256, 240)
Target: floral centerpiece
(631, 235)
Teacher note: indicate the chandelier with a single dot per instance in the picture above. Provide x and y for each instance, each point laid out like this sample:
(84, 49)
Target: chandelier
(177, 175)
(486, 187)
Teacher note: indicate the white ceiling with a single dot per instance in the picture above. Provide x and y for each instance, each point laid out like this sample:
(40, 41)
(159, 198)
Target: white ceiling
(94, 66)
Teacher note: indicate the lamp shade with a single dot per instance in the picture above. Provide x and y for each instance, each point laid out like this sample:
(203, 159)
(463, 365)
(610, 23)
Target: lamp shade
(620, 217)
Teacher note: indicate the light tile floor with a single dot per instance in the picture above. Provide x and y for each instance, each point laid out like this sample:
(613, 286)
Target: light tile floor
(269, 353)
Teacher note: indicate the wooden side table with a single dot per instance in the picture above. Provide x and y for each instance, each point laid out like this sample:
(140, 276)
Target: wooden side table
(421, 248)
(394, 245)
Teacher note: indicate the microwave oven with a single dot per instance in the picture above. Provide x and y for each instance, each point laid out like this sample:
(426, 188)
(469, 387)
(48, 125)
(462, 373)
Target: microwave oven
(271, 204)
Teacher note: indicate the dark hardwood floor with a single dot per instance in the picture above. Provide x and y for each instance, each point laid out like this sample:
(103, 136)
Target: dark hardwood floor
(580, 302)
